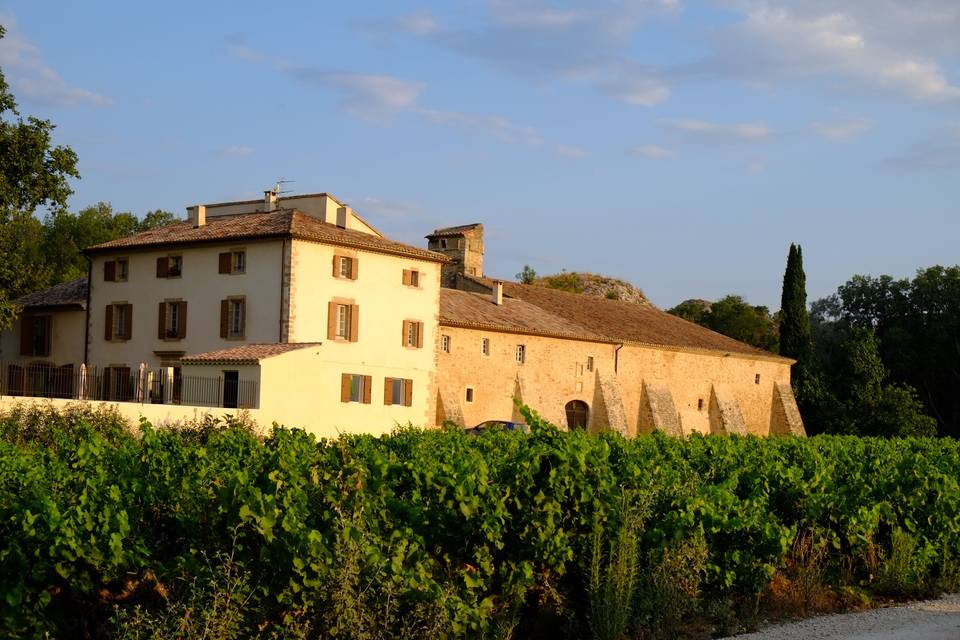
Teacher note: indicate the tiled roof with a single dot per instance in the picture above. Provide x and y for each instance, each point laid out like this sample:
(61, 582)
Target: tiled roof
(66, 294)
(626, 321)
(478, 311)
(275, 224)
(246, 354)
(454, 231)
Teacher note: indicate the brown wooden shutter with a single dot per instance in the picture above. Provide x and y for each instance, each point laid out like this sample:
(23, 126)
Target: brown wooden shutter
(345, 387)
(403, 336)
(182, 329)
(243, 318)
(224, 316)
(406, 277)
(225, 262)
(163, 267)
(408, 392)
(419, 335)
(354, 266)
(105, 384)
(331, 320)
(336, 265)
(47, 334)
(162, 321)
(109, 271)
(388, 391)
(367, 385)
(128, 327)
(108, 327)
(354, 322)
(26, 336)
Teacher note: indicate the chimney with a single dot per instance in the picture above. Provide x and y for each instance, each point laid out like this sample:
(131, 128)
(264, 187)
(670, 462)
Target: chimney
(498, 292)
(198, 215)
(270, 200)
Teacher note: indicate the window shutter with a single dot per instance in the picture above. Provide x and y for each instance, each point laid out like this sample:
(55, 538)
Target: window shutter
(388, 391)
(354, 266)
(419, 335)
(108, 326)
(354, 322)
(336, 265)
(225, 262)
(345, 387)
(331, 320)
(367, 383)
(406, 277)
(47, 335)
(109, 271)
(162, 321)
(128, 327)
(163, 267)
(182, 329)
(406, 329)
(408, 393)
(105, 384)
(224, 315)
(26, 336)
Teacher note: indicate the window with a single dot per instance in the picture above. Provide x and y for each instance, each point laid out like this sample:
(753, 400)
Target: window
(699, 404)
(443, 243)
(35, 335)
(343, 320)
(344, 267)
(469, 394)
(169, 266)
(123, 270)
(119, 321)
(355, 388)
(756, 379)
(589, 363)
(411, 278)
(579, 368)
(521, 353)
(233, 318)
(445, 344)
(172, 320)
(412, 334)
(117, 270)
(398, 391)
(485, 346)
(233, 262)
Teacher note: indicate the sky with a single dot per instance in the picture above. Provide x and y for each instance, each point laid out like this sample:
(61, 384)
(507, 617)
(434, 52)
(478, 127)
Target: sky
(680, 145)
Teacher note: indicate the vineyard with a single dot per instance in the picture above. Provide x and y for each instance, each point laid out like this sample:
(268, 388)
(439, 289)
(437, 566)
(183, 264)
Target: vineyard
(210, 531)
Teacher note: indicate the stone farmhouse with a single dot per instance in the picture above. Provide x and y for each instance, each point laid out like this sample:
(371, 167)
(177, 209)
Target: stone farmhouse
(298, 310)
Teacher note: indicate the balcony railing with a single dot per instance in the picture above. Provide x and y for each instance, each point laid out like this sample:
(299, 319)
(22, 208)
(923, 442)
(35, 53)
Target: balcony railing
(122, 384)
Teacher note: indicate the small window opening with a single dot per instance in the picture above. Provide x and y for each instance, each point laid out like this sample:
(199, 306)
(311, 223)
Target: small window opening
(469, 396)
(756, 379)
(700, 404)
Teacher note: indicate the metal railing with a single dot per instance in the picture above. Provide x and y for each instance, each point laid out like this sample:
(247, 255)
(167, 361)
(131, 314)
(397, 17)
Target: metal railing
(124, 384)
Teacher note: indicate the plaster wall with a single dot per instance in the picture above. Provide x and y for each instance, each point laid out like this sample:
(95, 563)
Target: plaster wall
(66, 340)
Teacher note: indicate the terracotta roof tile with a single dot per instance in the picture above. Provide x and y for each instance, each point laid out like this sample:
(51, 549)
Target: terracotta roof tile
(626, 321)
(275, 224)
(478, 311)
(246, 354)
(66, 294)
(453, 231)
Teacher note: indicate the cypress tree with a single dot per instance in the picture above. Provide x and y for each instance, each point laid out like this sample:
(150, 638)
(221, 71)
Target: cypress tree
(794, 320)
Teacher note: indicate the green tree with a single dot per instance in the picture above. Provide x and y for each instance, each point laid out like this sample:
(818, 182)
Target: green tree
(527, 275)
(693, 310)
(33, 174)
(734, 317)
(794, 319)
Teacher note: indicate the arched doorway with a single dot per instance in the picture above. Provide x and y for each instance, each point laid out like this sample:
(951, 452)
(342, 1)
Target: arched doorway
(577, 414)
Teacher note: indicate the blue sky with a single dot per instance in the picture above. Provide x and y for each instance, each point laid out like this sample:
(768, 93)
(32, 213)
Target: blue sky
(681, 145)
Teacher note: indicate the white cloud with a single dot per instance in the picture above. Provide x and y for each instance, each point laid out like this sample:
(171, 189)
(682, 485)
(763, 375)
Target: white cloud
(850, 45)
(704, 131)
(499, 127)
(841, 129)
(652, 151)
(568, 151)
(31, 77)
(237, 150)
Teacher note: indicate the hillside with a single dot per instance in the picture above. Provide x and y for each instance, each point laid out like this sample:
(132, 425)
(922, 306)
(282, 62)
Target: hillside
(592, 284)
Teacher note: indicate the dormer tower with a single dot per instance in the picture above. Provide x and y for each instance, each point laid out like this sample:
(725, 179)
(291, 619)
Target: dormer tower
(464, 246)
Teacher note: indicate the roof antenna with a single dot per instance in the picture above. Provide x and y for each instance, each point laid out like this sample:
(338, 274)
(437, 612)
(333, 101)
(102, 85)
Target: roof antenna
(278, 187)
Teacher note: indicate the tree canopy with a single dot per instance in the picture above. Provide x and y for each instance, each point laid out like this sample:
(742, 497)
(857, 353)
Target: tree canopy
(732, 316)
